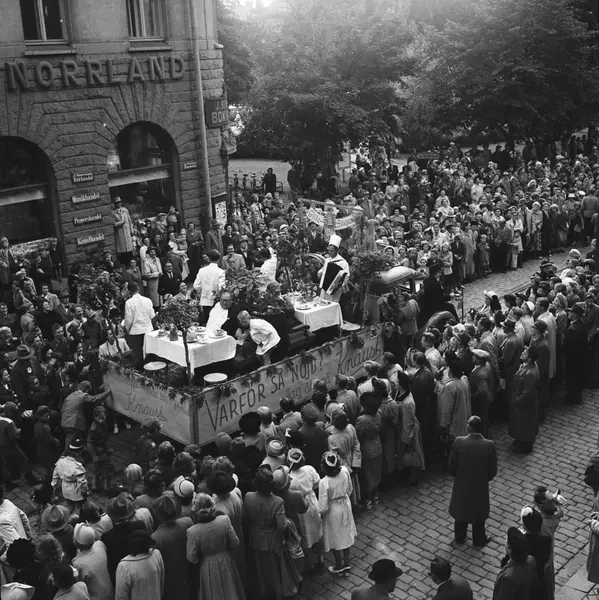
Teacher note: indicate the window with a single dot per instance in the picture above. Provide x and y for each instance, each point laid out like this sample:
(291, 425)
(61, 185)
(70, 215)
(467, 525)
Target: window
(146, 18)
(43, 20)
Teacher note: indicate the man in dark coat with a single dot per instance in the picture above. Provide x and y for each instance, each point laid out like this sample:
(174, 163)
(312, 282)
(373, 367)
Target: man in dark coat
(509, 358)
(451, 586)
(576, 352)
(539, 341)
(473, 463)
(433, 297)
(169, 281)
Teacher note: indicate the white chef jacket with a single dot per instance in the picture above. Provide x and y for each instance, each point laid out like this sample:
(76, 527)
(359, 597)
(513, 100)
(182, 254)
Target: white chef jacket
(209, 281)
(264, 335)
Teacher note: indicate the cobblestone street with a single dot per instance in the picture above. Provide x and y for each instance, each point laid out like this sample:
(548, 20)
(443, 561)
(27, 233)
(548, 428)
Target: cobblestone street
(411, 525)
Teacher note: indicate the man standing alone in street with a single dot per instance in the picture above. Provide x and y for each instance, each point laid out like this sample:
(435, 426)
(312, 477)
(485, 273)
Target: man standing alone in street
(473, 463)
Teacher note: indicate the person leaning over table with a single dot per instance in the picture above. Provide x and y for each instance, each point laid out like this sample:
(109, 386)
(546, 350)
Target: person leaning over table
(261, 332)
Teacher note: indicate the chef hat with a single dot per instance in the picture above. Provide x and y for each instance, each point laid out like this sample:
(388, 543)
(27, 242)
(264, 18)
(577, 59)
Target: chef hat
(335, 240)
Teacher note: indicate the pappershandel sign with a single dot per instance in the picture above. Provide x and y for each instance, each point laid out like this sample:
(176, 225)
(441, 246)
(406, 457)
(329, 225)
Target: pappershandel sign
(292, 378)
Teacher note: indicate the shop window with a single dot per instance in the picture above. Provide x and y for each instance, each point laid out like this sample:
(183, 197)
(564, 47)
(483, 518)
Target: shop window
(141, 170)
(43, 20)
(26, 211)
(146, 19)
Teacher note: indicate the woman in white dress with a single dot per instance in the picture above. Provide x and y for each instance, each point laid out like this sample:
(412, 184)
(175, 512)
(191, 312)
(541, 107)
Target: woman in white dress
(339, 529)
(305, 479)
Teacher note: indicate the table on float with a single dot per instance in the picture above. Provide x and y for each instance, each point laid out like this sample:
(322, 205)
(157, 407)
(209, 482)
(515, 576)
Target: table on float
(212, 351)
(319, 317)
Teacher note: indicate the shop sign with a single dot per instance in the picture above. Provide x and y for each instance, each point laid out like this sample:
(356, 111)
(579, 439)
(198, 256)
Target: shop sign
(72, 74)
(80, 198)
(220, 212)
(217, 112)
(190, 165)
(292, 377)
(88, 219)
(82, 177)
(428, 156)
(90, 239)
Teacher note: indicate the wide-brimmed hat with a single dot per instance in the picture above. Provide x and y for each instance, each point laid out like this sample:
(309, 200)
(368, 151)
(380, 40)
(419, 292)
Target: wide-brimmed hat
(221, 483)
(489, 294)
(76, 444)
(577, 310)
(183, 487)
(281, 478)
(167, 509)
(120, 508)
(464, 337)
(509, 323)
(55, 517)
(24, 352)
(384, 570)
(275, 447)
(540, 326)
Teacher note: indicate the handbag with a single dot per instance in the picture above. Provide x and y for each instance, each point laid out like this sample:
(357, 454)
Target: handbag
(293, 541)
(410, 458)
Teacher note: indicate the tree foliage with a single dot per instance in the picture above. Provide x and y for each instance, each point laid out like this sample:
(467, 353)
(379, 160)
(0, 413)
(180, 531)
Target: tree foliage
(520, 69)
(329, 74)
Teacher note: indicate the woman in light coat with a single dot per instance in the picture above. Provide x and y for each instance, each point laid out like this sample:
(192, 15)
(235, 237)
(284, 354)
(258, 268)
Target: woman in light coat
(152, 270)
(140, 575)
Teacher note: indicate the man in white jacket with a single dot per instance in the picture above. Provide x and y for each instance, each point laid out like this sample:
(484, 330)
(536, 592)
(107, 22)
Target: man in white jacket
(208, 283)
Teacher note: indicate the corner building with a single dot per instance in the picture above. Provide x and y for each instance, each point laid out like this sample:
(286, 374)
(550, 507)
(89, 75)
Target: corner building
(98, 99)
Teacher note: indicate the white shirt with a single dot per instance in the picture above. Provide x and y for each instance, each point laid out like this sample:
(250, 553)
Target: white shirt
(269, 269)
(218, 315)
(108, 349)
(209, 281)
(264, 335)
(139, 312)
(14, 524)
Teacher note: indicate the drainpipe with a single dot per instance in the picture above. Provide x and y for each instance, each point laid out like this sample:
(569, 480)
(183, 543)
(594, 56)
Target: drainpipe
(206, 208)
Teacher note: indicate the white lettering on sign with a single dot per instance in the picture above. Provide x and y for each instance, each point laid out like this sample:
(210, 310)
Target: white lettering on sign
(82, 177)
(78, 199)
(190, 166)
(88, 219)
(90, 239)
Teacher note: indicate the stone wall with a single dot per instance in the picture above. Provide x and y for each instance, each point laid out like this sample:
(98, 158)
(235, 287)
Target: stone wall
(74, 107)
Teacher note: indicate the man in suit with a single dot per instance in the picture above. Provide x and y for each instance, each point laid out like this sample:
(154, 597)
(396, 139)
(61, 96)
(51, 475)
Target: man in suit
(49, 297)
(64, 310)
(384, 574)
(246, 253)
(433, 296)
(473, 464)
(509, 358)
(315, 241)
(224, 314)
(169, 281)
(450, 587)
(232, 261)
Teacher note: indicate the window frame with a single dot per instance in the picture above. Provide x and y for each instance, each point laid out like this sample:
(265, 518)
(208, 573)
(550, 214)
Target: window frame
(141, 18)
(43, 39)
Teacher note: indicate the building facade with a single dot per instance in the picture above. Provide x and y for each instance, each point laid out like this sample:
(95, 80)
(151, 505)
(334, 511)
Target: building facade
(99, 99)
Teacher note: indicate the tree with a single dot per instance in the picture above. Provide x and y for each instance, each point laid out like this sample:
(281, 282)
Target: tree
(329, 74)
(519, 69)
(239, 62)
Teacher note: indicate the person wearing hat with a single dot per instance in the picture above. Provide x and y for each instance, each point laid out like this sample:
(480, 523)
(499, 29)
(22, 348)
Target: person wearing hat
(433, 298)
(47, 446)
(97, 444)
(73, 416)
(517, 577)
(182, 490)
(334, 273)
(69, 478)
(473, 464)
(146, 445)
(27, 364)
(523, 424)
(539, 341)
(384, 573)
(314, 436)
(482, 386)
(544, 314)
(171, 539)
(450, 585)
(91, 562)
(293, 500)
(275, 453)
(509, 359)
(121, 510)
(123, 231)
(576, 353)
(56, 520)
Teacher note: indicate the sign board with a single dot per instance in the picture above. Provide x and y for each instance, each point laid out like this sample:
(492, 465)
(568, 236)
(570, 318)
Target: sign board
(90, 239)
(80, 198)
(88, 219)
(143, 404)
(318, 217)
(82, 177)
(428, 156)
(189, 165)
(217, 112)
(292, 378)
(220, 212)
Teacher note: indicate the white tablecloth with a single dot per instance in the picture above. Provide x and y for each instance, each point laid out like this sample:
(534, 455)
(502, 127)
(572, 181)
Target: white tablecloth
(319, 317)
(214, 350)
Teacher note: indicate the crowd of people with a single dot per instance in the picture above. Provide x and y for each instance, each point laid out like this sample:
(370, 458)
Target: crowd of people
(255, 514)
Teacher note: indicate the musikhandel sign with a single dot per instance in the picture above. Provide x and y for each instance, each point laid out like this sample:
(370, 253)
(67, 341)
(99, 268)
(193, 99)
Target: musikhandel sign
(143, 404)
(69, 73)
(292, 378)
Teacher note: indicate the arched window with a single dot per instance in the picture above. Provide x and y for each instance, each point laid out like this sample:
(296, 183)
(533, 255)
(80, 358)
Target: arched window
(141, 170)
(26, 211)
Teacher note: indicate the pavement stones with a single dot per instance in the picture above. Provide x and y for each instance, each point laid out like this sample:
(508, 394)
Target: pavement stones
(412, 525)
